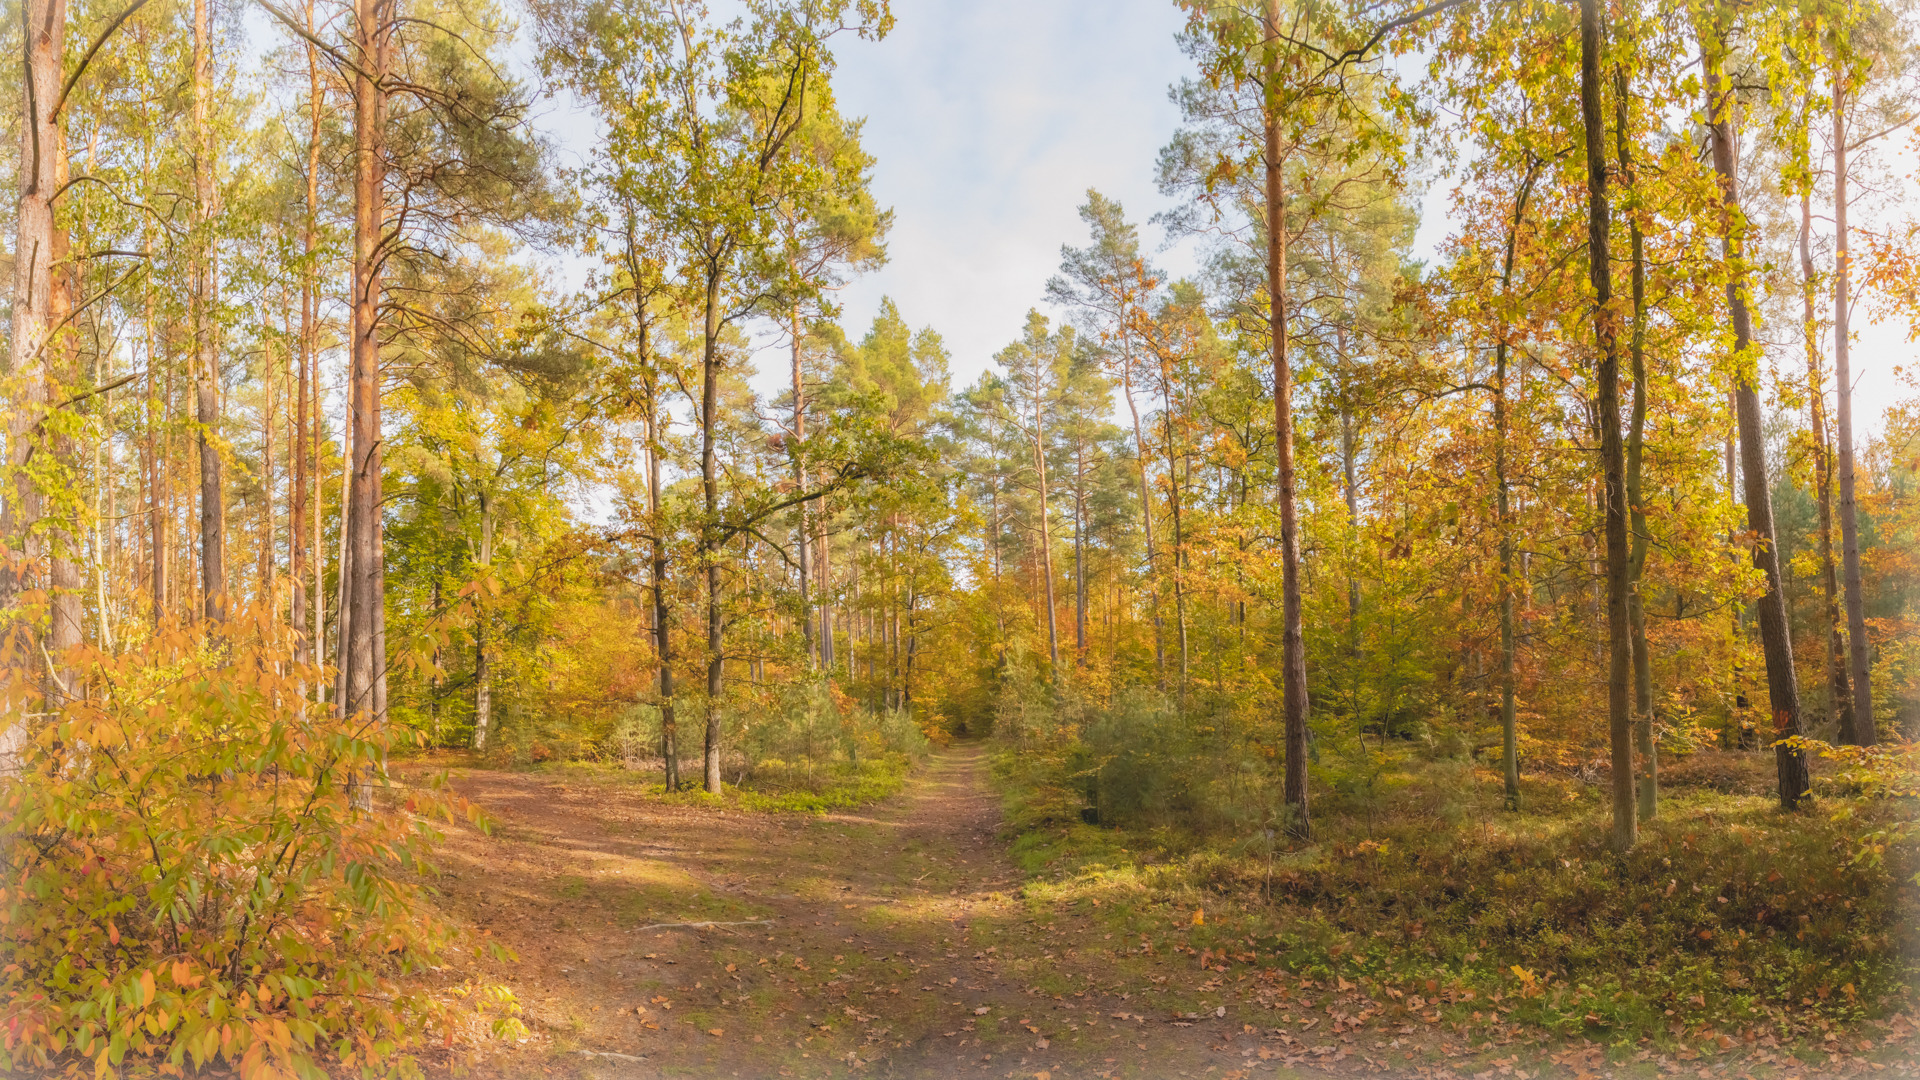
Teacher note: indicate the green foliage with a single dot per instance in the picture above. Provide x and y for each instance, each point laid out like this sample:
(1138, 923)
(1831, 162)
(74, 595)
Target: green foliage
(189, 879)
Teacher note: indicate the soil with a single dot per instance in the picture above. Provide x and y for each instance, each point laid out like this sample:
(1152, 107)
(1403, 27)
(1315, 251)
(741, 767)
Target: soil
(660, 939)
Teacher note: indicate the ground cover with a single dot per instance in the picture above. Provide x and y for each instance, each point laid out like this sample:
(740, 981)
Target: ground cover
(923, 936)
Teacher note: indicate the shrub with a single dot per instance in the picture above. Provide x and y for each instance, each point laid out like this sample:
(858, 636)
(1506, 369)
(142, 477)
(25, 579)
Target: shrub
(188, 879)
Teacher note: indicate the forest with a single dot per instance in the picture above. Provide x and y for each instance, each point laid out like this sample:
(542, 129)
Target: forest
(459, 600)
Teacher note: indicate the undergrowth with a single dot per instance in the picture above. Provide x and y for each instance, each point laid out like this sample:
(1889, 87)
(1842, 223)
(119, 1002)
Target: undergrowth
(1727, 916)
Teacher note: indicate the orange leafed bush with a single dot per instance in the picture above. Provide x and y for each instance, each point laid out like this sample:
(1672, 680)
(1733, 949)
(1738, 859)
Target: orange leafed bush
(188, 879)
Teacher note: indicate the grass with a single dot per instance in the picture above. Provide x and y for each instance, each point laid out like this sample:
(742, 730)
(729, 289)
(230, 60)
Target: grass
(1728, 917)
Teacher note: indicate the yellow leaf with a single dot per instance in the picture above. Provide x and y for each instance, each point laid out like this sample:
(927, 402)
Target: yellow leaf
(146, 987)
(1199, 917)
(716, 1032)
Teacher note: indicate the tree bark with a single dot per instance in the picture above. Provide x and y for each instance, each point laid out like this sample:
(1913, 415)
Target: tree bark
(1080, 551)
(483, 637)
(1293, 653)
(1046, 533)
(1146, 524)
(206, 348)
(303, 442)
(366, 599)
(1643, 737)
(1612, 454)
(1783, 688)
(1859, 649)
(710, 554)
(1502, 423)
(39, 304)
(801, 533)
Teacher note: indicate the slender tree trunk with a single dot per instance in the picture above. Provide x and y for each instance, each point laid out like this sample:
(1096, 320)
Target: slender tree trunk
(158, 524)
(1612, 454)
(710, 554)
(1502, 426)
(662, 637)
(264, 566)
(309, 387)
(1146, 527)
(1783, 688)
(343, 566)
(1080, 551)
(826, 601)
(206, 347)
(801, 532)
(1179, 553)
(1859, 649)
(1293, 653)
(483, 638)
(365, 598)
(1643, 739)
(1840, 687)
(1046, 532)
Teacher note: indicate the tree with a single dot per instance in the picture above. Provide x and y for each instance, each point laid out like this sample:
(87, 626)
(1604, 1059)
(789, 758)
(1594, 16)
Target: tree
(1612, 453)
(1783, 688)
(1109, 283)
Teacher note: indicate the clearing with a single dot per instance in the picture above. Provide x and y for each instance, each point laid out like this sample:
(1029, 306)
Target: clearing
(895, 941)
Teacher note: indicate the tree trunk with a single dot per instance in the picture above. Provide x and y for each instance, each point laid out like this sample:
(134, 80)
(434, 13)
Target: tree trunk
(206, 348)
(662, 638)
(826, 600)
(365, 599)
(1179, 552)
(37, 311)
(709, 544)
(1293, 653)
(1840, 687)
(1146, 527)
(158, 523)
(1643, 740)
(1502, 423)
(1046, 533)
(1859, 649)
(800, 483)
(483, 637)
(309, 384)
(1080, 552)
(1612, 454)
(1783, 688)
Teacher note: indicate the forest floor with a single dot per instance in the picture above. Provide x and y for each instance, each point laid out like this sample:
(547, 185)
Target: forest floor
(897, 941)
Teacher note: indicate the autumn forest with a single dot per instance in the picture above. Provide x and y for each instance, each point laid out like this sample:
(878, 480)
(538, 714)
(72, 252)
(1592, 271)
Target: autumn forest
(469, 608)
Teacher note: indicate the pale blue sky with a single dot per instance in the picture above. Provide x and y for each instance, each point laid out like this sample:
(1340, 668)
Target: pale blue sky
(989, 120)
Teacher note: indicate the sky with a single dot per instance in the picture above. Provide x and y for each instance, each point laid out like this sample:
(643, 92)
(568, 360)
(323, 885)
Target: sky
(988, 121)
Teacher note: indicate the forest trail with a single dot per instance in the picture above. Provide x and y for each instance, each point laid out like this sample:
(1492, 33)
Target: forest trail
(895, 943)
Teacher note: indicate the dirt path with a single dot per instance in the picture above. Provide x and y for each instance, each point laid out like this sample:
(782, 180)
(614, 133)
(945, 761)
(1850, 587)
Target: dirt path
(893, 942)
